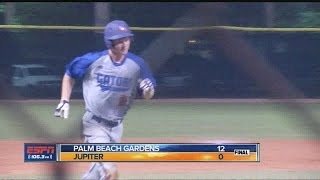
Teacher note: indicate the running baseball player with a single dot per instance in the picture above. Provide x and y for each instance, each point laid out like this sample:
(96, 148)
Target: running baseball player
(111, 80)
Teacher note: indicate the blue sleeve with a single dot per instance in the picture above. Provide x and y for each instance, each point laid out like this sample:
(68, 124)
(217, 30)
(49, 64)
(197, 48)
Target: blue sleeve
(145, 71)
(78, 67)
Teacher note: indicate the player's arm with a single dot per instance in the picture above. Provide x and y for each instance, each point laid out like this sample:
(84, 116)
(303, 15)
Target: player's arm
(74, 70)
(147, 83)
(62, 110)
(67, 86)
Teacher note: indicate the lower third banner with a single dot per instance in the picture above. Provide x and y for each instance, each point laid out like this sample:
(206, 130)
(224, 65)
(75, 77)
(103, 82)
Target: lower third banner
(195, 152)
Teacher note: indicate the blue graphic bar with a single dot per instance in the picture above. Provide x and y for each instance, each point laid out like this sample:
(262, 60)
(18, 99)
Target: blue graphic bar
(172, 147)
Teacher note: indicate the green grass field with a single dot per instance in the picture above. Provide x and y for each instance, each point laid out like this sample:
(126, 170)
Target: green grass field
(165, 120)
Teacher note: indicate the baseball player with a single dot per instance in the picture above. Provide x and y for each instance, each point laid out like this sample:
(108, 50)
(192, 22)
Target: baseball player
(111, 80)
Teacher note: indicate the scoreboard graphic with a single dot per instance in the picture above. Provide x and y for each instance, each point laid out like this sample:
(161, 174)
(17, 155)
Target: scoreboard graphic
(137, 152)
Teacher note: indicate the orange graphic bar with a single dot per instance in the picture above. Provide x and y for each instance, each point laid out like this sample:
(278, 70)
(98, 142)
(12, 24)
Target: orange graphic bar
(156, 156)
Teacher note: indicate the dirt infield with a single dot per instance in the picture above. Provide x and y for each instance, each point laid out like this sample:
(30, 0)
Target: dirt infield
(280, 155)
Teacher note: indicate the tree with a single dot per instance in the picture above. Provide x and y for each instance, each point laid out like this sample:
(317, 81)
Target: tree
(1, 7)
(309, 18)
(302, 14)
(269, 13)
(1, 13)
(52, 44)
(149, 14)
(55, 13)
(246, 14)
(10, 11)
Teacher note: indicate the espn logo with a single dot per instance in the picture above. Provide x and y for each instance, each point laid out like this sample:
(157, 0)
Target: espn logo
(40, 149)
(242, 152)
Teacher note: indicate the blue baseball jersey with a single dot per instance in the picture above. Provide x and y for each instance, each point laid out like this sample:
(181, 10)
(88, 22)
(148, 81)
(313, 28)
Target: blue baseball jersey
(108, 87)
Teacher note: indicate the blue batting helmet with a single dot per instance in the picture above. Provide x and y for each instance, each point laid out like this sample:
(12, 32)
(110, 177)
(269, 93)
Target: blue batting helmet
(116, 29)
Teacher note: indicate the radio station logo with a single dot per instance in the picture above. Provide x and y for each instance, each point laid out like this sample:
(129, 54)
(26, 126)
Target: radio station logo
(39, 152)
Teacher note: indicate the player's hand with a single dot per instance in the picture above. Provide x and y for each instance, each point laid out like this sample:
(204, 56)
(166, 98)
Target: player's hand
(147, 88)
(146, 85)
(62, 109)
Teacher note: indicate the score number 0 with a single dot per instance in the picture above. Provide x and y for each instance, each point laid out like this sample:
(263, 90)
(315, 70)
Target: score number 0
(221, 149)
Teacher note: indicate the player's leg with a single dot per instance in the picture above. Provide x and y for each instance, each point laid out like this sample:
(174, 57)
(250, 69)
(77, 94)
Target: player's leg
(111, 169)
(92, 132)
(100, 170)
(95, 133)
(93, 172)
